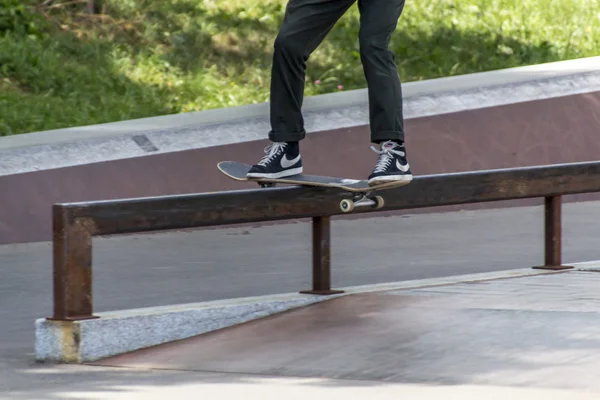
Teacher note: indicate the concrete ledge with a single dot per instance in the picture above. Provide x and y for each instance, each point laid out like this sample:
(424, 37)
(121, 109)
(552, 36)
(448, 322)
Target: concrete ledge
(455, 84)
(218, 127)
(124, 331)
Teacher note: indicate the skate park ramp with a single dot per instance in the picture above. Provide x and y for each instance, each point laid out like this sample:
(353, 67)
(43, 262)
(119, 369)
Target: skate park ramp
(540, 114)
(528, 335)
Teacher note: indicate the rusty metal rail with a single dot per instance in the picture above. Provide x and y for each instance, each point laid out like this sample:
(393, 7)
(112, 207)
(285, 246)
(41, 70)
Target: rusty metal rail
(75, 224)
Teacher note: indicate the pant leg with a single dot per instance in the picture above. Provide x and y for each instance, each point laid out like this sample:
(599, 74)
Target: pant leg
(305, 25)
(378, 20)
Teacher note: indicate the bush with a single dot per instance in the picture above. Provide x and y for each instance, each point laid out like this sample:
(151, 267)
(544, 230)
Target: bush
(19, 16)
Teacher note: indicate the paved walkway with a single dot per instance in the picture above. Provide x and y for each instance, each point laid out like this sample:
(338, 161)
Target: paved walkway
(539, 332)
(521, 338)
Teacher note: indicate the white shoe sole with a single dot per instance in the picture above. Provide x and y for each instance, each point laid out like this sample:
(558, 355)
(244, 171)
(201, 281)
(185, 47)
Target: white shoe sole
(282, 174)
(390, 178)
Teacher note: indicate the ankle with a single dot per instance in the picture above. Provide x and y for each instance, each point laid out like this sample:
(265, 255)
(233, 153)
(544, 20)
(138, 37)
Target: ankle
(293, 147)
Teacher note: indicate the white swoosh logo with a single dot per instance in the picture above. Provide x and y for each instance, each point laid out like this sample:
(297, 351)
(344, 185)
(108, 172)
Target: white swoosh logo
(403, 168)
(285, 163)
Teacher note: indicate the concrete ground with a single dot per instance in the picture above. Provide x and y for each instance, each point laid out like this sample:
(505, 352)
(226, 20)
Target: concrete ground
(539, 332)
(181, 267)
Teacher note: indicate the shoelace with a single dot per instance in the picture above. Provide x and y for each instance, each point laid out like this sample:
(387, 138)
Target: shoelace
(385, 158)
(271, 151)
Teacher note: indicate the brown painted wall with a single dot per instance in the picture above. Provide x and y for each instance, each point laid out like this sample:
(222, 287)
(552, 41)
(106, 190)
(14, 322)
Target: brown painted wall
(551, 131)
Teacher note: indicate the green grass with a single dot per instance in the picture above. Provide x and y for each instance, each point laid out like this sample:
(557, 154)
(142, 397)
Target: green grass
(146, 58)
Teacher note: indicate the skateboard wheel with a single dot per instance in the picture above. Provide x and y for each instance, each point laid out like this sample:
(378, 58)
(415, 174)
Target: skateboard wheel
(267, 184)
(379, 201)
(346, 205)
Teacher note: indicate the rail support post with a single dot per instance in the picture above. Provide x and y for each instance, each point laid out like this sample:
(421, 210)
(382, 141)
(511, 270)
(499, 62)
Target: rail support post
(321, 248)
(72, 275)
(553, 234)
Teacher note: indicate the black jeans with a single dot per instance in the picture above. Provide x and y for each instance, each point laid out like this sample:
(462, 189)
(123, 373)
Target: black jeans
(305, 25)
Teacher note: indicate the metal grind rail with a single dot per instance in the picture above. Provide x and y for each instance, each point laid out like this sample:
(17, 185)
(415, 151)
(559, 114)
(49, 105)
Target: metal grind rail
(75, 224)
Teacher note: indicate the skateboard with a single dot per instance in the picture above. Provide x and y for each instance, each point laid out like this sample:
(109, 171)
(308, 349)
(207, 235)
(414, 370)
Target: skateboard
(361, 190)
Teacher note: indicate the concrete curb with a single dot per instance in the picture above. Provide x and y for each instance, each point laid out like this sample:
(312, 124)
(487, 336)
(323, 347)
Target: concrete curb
(124, 331)
(128, 330)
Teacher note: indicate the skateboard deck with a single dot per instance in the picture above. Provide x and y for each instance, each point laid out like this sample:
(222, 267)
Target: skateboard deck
(360, 188)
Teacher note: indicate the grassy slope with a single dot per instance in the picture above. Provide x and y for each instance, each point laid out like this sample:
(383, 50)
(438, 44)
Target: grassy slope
(146, 58)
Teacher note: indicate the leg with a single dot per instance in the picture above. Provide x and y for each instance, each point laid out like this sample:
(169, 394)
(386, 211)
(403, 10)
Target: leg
(305, 25)
(378, 20)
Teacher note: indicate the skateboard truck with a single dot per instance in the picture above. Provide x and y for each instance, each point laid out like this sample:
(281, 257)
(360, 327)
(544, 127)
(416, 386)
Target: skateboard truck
(361, 200)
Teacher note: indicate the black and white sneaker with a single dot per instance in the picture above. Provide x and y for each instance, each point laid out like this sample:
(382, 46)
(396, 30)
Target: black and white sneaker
(281, 160)
(392, 165)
